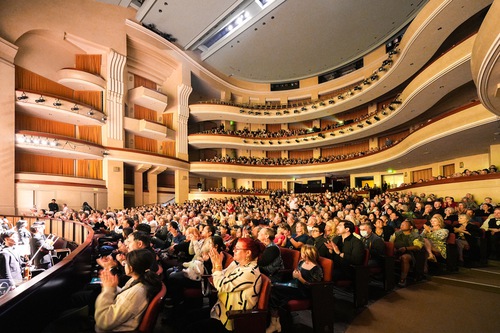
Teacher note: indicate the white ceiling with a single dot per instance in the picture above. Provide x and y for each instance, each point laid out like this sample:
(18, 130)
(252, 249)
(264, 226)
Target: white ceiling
(288, 40)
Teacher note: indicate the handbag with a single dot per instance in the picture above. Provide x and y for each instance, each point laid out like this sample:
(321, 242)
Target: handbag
(195, 270)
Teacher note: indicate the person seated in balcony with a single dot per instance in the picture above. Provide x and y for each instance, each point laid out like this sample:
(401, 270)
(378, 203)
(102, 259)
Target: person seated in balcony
(434, 237)
(450, 215)
(467, 235)
(406, 243)
(308, 271)
(486, 209)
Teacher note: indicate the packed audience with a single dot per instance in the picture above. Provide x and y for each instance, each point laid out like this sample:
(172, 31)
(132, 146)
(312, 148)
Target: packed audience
(191, 239)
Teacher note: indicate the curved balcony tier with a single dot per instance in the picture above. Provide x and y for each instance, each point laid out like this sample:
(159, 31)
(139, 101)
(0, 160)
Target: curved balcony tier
(486, 64)
(447, 73)
(422, 39)
(57, 146)
(80, 81)
(471, 129)
(57, 109)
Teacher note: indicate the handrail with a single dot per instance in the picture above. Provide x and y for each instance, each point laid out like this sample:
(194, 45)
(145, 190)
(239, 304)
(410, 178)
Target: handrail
(78, 232)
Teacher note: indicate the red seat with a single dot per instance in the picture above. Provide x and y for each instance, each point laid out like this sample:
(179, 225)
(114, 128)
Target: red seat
(253, 321)
(387, 267)
(359, 283)
(150, 317)
(290, 262)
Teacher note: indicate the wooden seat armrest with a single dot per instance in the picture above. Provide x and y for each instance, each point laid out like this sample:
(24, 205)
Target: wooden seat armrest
(233, 314)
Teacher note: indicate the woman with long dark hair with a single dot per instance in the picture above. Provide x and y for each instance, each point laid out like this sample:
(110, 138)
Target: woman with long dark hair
(121, 309)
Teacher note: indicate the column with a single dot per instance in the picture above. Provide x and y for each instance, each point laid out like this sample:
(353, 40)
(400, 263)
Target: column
(113, 173)
(153, 183)
(7, 127)
(181, 142)
(138, 183)
(114, 108)
(181, 186)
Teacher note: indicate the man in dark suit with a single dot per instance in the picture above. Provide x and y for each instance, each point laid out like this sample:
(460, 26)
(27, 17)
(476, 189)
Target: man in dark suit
(345, 250)
(53, 206)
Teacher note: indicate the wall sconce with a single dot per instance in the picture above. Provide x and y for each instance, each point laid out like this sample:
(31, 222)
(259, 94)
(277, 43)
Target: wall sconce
(360, 125)
(314, 107)
(332, 134)
(278, 113)
(266, 113)
(40, 99)
(374, 77)
(105, 153)
(304, 108)
(340, 97)
(75, 108)
(104, 118)
(242, 111)
(22, 97)
(297, 140)
(322, 103)
(286, 112)
(376, 118)
(296, 111)
(331, 101)
(368, 122)
(57, 103)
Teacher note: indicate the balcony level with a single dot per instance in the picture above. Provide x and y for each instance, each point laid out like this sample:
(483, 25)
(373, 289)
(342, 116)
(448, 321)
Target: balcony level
(57, 109)
(80, 81)
(149, 129)
(148, 98)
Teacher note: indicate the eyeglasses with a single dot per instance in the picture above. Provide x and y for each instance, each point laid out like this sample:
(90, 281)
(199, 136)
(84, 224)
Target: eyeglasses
(314, 230)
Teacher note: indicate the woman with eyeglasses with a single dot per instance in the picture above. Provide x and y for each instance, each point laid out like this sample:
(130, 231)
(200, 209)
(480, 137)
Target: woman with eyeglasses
(238, 286)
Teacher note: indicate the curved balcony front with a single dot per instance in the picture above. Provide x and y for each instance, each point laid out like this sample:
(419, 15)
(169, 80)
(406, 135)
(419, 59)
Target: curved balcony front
(80, 81)
(466, 128)
(447, 73)
(57, 146)
(57, 109)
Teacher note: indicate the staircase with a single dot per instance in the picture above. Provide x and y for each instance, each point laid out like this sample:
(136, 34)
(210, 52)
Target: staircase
(483, 278)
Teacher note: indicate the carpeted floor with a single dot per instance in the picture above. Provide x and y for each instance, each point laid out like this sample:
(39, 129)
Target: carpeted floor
(431, 307)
